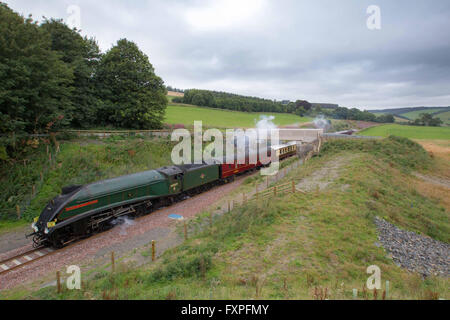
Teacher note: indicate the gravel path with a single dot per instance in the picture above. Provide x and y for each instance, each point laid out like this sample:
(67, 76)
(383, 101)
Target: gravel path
(14, 240)
(323, 177)
(414, 252)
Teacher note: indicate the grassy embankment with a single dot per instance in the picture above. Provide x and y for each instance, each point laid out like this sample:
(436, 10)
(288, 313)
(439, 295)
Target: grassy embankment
(411, 132)
(78, 162)
(292, 245)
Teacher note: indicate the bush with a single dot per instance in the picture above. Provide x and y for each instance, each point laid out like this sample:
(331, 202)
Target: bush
(403, 152)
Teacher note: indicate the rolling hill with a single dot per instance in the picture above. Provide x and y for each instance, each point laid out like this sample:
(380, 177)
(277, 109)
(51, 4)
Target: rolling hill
(413, 113)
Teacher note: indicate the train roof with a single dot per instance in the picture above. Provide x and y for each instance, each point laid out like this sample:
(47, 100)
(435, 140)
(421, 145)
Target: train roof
(281, 146)
(120, 183)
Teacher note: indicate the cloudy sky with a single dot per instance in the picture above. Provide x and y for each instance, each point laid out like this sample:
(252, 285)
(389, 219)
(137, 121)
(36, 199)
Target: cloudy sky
(318, 50)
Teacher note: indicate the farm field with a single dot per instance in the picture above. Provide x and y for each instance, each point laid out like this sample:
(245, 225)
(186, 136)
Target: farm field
(416, 114)
(186, 115)
(412, 132)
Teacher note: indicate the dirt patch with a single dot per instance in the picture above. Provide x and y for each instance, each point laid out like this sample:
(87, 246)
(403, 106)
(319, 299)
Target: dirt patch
(439, 181)
(439, 148)
(175, 94)
(323, 177)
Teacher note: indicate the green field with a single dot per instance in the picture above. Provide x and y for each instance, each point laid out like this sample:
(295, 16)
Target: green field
(445, 117)
(412, 132)
(416, 114)
(183, 114)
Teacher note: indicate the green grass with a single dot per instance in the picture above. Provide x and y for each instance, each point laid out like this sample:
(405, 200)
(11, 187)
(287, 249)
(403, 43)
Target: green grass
(288, 246)
(184, 114)
(411, 132)
(413, 115)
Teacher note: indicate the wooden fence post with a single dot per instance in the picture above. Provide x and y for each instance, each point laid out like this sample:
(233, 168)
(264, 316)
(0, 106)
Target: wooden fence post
(113, 263)
(275, 191)
(229, 206)
(211, 219)
(153, 250)
(58, 282)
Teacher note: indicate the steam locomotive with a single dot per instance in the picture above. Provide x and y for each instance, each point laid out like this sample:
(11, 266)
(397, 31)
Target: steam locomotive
(82, 210)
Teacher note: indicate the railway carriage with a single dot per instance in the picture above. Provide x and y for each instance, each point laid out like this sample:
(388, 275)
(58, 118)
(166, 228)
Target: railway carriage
(285, 151)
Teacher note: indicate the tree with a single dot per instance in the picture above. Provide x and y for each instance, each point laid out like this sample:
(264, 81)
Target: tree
(385, 118)
(82, 55)
(302, 103)
(34, 82)
(133, 96)
(426, 119)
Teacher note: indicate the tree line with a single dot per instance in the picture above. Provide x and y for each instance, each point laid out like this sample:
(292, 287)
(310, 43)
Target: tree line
(229, 101)
(51, 77)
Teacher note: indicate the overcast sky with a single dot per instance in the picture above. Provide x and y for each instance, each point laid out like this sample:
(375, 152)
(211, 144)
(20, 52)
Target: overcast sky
(321, 51)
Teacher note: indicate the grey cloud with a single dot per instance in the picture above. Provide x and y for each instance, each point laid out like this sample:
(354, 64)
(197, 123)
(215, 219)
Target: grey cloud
(315, 50)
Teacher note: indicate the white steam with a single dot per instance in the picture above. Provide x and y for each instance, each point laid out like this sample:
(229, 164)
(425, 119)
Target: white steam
(265, 125)
(123, 223)
(321, 123)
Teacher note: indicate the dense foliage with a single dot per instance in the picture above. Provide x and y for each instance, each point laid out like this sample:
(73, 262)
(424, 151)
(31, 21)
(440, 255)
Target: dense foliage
(133, 96)
(51, 77)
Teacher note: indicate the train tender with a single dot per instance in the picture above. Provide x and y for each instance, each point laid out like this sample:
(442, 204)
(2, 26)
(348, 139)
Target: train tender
(80, 211)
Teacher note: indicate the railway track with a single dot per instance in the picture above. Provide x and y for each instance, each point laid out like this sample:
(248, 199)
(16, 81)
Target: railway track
(30, 256)
(25, 258)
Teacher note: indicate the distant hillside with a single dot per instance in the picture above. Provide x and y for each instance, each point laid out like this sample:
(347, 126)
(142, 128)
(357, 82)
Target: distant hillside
(401, 111)
(415, 112)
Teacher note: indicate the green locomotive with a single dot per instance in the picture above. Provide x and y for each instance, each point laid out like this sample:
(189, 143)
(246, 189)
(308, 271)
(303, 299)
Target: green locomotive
(82, 210)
